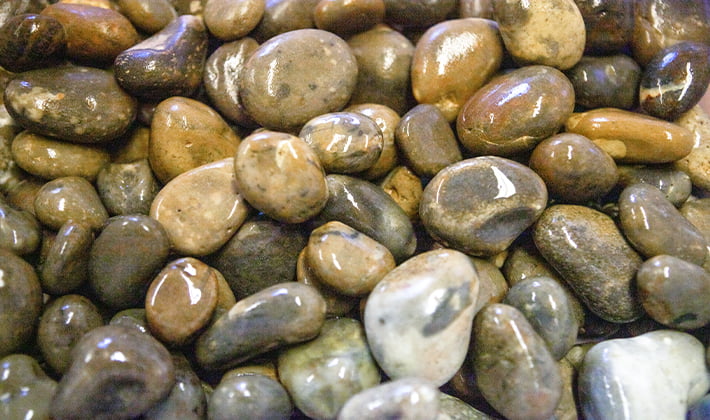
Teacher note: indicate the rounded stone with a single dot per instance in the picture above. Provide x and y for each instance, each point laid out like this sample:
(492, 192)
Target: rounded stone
(514, 112)
(31, 41)
(697, 163)
(149, 16)
(492, 285)
(487, 219)
(255, 397)
(336, 303)
(282, 16)
(607, 81)
(417, 14)
(127, 188)
(675, 185)
(452, 408)
(27, 390)
(296, 76)
(346, 17)
(131, 318)
(405, 188)
(20, 302)
(69, 198)
(19, 230)
(406, 398)
(697, 212)
(187, 399)
(609, 24)
(386, 119)
(65, 263)
(229, 20)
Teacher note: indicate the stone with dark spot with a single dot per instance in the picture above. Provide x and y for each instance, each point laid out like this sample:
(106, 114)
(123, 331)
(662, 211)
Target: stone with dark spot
(30, 41)
(608, 23)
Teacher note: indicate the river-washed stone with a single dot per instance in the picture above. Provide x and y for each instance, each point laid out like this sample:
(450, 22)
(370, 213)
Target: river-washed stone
(590, 253)
(336, 303)
(116, 372)
(655, 375)
(675, 184)
(655, 227)
(486, 220)
(149, 16)
(19, 230)
(127, 188)
(26, 389)
(492, 285)
(186, 401)
(324, 373)
(169, 63)
(232, 19)
(417, 14)
(514, 369)
(607, 81)
(64, 265)
(69, 198)
(697, 163)
(386, 119)
(452, 408)
(426, 302)
(20, 302)
(405, 188)
(283, 16)
(406, 398)
(131, 318)
(697, 212)
(283, 314)
(608, 23)
(31, 41)
(346, 17)
(132, 146)
(253, 396)
(125, 257)
(78, 104)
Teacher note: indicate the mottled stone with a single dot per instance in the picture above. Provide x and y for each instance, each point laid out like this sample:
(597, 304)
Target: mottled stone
(283, 314)
(567, 407)
(23, 192)
(346, 17)
(492, 285)
(386, 119)
(406, 398)
(116, 372)
(405, 188)
(65, 262)
(78, 104)
(232, 19)
(630, 137)
(655, 375)
(655, 227)
(296, 76)
(697, 163)
(149, 16)
(574, 168)
(255, 397)
(283, 16)
(452, 60)
(14, 8)
(514, 112)
(124, 258)
(590, 253)
(426, 302)
(30, 41)
(169, 63)
(186, 401)
(608, 23)
(127, 188)
(69, 198)
(607, 81)
(674, 184)
(487, 219)
(132, 146)
(20, 302)
(336, 303)
(697, 212)
(417, 14)
(64, 321)
(25, 388)
(189, 7)
(19, 230)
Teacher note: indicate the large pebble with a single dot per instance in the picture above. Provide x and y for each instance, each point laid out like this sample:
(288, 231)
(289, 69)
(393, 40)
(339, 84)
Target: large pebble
(487, 219)
(200, 209)
(232, 19)
(514, 369)
(655, 375)
(324, 373)
(69, 198)
(116, 372)
(406, 398)
(65, 263)
(30, 41)
(127, 188)
(697, 163)
(296, 76)
(283, 314)
(590, 253)
(427, 303)
(609, 24)
(19, 230)
(26, 389)
(675, 184)
(20, 302)
(253, 396)
(187, 399)
(149, 16)
(607, 81)
(79, 104)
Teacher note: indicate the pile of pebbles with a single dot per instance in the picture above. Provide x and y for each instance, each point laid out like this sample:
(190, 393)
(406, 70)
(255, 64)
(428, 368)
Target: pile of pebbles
(354, 209)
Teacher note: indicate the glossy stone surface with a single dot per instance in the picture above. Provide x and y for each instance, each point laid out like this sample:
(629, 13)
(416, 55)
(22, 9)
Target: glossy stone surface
(417, 14)
(426, 302)
(336, 303)
(149, 16)
(69, 198)
(283, 16)
(30, 41)
(322, 374)
(283, 314)
(131, 318)
(116, 372)
(186, 401)
(609, 24)
(514, 112)
(406, 398)
(20, 302)
(26, 389)
(657, 374)
(65, 263)
(697, 163)
(607, 81)
(346, 17)
(675, 185)
(127, 188)
(484, 221)
(386, 119)
(405, 188)
(590, 253)
(515, 372)
(77, 104)
(255, 397)
(229, 20)
(19, 230)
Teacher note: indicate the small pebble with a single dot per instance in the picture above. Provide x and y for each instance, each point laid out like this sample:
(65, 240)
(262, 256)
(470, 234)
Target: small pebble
(27, 390)
(675, 185)
(607, 81)
(405, 188)
(65, 263)
(346, 17)
(697, 163)
(609, 25)
(229, 20)
(282, 16)
(127, 188)
(336, 303)
(406, 399)
(386, 119)
(20, 302)
(149, 16)
(31, 41)
(417, 14)
(19, 230)
(69, 198)
(255, 397)
(186, 401)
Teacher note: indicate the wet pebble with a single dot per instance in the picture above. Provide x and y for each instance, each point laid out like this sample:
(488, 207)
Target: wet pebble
(186, 401)
(406, 398)
(19, 230)
(31, 41)
(418, 15)
(609, 24)
(283, 16)
(336, 303)
(127, 188)
(386, 119)
(607, 81)
(229, 20)
(149, 16)
(452, 408)
(20, 302)
(69, 198)
(27, 390)
(697, 212)
(697, 163)
(131, 318)
(65, 263)
(405, 188)
(674, 184)
(346, 17)
(492, 285)
(255, 397)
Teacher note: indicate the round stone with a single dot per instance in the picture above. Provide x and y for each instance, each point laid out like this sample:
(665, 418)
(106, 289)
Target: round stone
(65, 263)
(282, 16)
(406, 398)
(27, 390)
(336, 303)
(127, 188)
(19, 230)
(148, 16)
(20, 302)
(386, 119)
(232, 19)
(346, 17)
(254, 396)
(675, 185)
(30, 41)
(607, 81)
(69, 198)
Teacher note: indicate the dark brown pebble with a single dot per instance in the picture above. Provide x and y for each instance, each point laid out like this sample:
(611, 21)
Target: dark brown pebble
(30, 41)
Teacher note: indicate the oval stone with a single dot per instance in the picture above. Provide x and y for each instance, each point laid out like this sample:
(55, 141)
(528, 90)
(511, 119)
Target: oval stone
(19, 230)
(20, 302)
(406, 398)
(283, 16)
(418, 14)
(127, 188)
(514, 112)
(345, 17)
(487, 219)
(386, 119)
(77, 104)
(69, 198)
(675, 185)
(29, 41)
(426, 302)
(608, 23)
(608, 81)
(232, 19)
(252, 396)
(149, 16)
(336, 303)
(27, 390)
(65, 263)
(187, 399)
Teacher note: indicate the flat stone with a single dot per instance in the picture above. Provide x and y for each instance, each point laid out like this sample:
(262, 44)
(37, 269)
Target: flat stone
(19, 230)
(406, 398)
(229, 20)
(26, 388)
(187, 399)
(386, 119)
(607, 81)
(609, 25)
(149, 16)
(251, 396)
(127, 188)
(675, 185)
(697, 163)
(347, 17)
(20, 302)
(29, 41)
(69, 198)
(64, 266)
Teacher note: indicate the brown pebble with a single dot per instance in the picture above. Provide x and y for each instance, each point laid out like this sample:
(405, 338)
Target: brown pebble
(229, 20)
(346, 17)
(69, 198)
(405, 188)
(336, 303)
(149, 16)
(30, 41)
(65, 263)
(20, 302)
(386, 119)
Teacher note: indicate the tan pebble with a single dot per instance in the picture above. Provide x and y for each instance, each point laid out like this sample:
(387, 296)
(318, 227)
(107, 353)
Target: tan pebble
(336, 303)
(346, 17)
(492, 285)
(225, 297)
(69, 198)
(405, 188)
(232, 19)
(132, 146)
(150, 16)
(697, 163)
(386, 119)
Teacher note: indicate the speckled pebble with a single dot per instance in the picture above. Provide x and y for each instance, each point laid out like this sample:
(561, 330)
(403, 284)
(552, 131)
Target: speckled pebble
(30, 41)
(697, 163)
(69, 198)
(254, 396)
(232, 19)
(127, 188)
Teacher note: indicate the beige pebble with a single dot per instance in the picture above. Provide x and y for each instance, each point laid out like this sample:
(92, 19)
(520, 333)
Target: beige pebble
(386, 119)
(697, 163)
(232, 19)
(69, 198)
(337, 304)
(405, 188)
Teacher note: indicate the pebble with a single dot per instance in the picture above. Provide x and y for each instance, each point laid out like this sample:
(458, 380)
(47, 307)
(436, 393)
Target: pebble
(186, 401)
(607, 81)
(452, 408)
(484, 221)
(418, 14)
(386, 119)
(697, 163)
(132, 146)
(630, 137)
(346, 260)
(345, 142)
(368, 209)
(27, 390)
(674, 184)
(19, 230)
(426, 141)
(229, 20)
(221, 79)
(405, 188)
(492, 285)
(69, 198)
(225, 297)
(282, 16)
(609, 25)
(322, 374)
(149, 16)
(127, 188)
(131, 318)
(406, 399)
(427, 303)
(31, 41)
(655, 227)
(176, 55)
(64, 266)
(514, 112)
(73, 103)
(531, 38)
(336, 303)
(543, 302)
(567, 407)
(384, 57)
(125, 257)
(20, 302)
(347, 17)
(280, 195)
(116, 372)
(255, 397)
(283, 314)
(94, 35)
(697, 212)
(189, 7)
(574, 168)
(452, 60)
(569, 237)
(185, 134)
(49, 158)
(655, 375)
(296, 76)
(64, 321)
(201, 209)
(514, 370)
